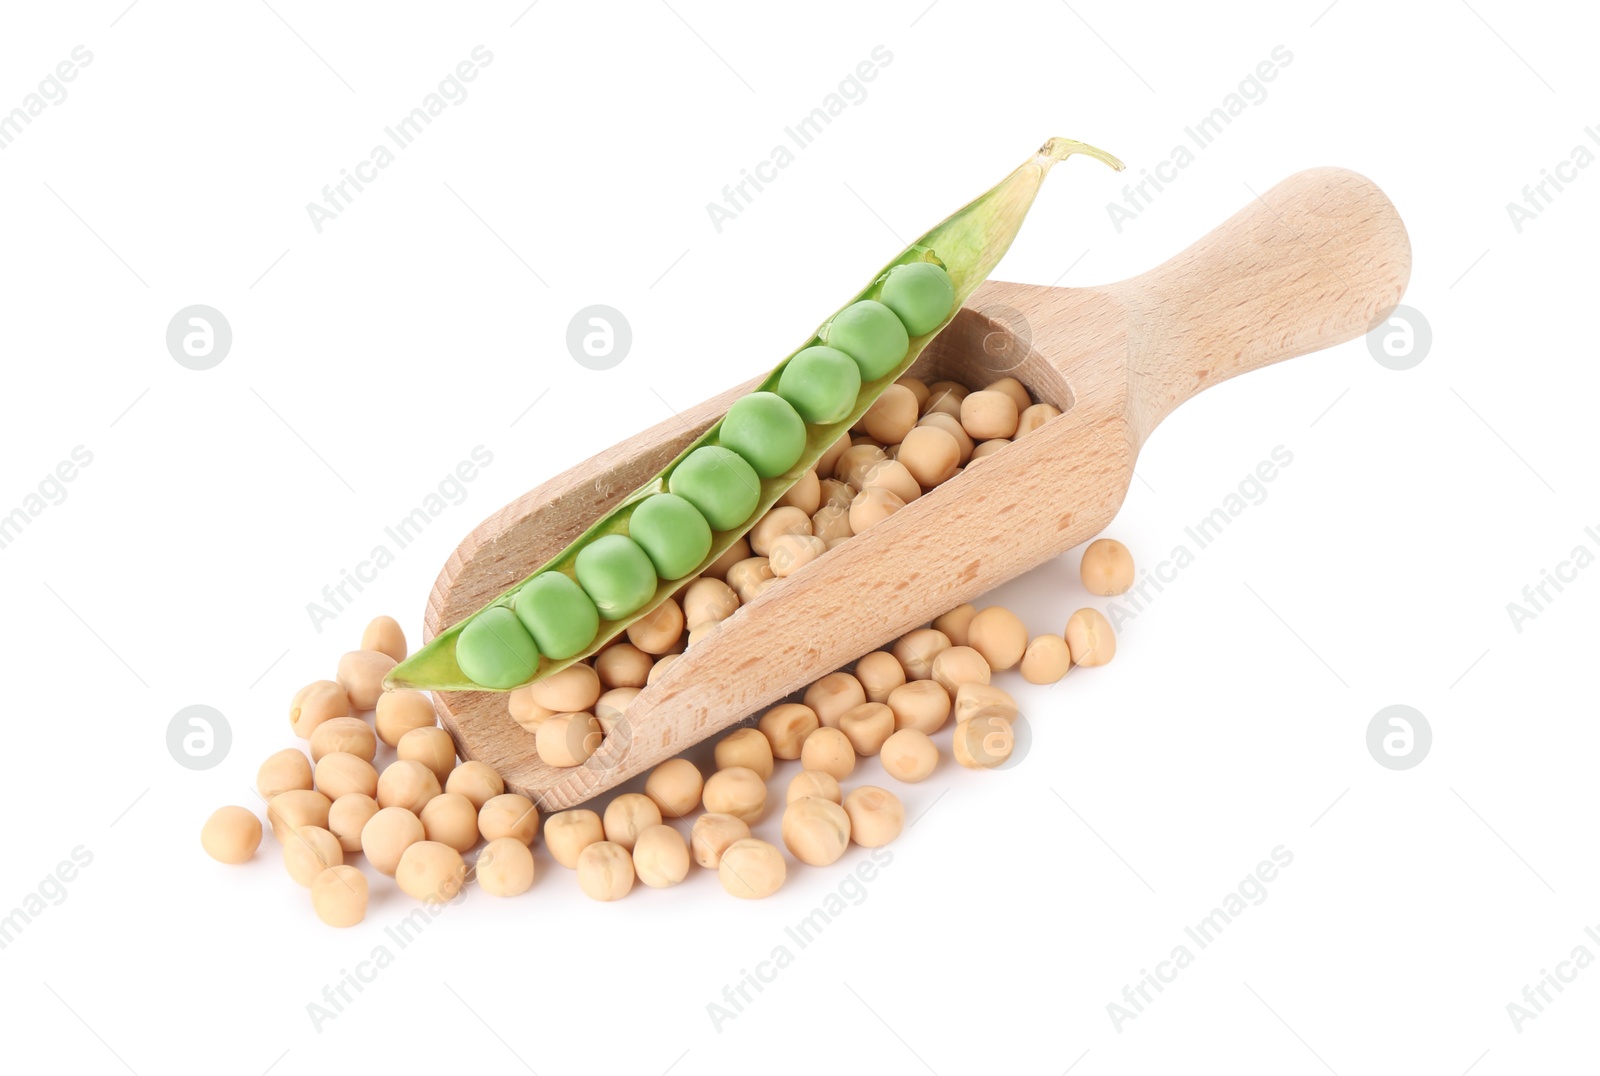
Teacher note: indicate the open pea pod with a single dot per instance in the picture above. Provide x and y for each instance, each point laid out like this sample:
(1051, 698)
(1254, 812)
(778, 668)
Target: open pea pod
(967, 246)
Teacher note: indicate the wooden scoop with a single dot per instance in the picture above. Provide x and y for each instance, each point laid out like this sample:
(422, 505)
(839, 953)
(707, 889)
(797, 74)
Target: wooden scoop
(1314, 262)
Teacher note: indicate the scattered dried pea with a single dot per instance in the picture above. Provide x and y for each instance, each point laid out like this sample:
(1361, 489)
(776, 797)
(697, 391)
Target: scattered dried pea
(1047, 660)
(339, 774)
(814, 783)
(309, 851)
(451, 819)
(1090, 638)
(567, 740)
(816, 831)
(983, 742)
(231, 835)
(959, 665)
(568, 833)
(431, 872)
(835, 494)
(387, 835)
(922, 705)
(361, 674)
(707, 601)
(656, 632)
(339, 896)
(832, 522)
(745, 747)
(777, 522)
(712, 834)
(1034, 417)
(751, 869)
(738, 791)
(918, 388)
(318, 701)
(944, 397)
(828, 750)
(1106, 567)
(384, 635)
(605, 871)
(400, 711)
(876, 815)
(348, 816)
(660, 667)
(1014, 389)
(611, 706)
(909, 756)
(956, 623)
(879, 673)
(408, 784)
(857, 461)
(477, 781)
(867, 726)
(350, 735)
(282, 771)
(983, 700)
(747, 575)
(999, 635)
(504, 868)
(736, 552)
(986, 414)
(791, 552)
(786, 727)
(509, 815)
(660, 857)
(625, 665)
(829, 460)
(675, 787)
(892, 415)
(806, 494)
(572, 690)
(893, 477)
(627, 816)
(958, 433)
(832, 695)
(287, 811)
(872, 506)
(916, 651)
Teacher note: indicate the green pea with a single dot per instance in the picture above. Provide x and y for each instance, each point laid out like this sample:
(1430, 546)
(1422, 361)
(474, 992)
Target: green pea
(617, 575)
(558, 614)
(920, 294)
(720, 483)
(869, 333)
(767, 431)
(495, 650)
(821, 383)
(672, 532)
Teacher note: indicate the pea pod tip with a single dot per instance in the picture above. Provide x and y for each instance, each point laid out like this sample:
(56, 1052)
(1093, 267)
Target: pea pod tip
(1059, 149)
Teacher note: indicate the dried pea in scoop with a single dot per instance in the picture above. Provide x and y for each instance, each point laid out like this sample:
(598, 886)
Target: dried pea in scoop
(703, 502)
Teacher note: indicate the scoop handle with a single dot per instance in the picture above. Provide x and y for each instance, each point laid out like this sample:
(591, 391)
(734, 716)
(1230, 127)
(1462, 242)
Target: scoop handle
(1313, 262)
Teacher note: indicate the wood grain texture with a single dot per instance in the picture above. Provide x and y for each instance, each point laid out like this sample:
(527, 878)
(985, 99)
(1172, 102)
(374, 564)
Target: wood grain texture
(1312, 263)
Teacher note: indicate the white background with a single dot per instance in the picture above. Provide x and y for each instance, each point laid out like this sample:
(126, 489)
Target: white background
(370, 358)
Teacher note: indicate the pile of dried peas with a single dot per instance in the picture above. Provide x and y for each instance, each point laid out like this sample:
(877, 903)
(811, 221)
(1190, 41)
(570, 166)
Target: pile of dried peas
(416, 819)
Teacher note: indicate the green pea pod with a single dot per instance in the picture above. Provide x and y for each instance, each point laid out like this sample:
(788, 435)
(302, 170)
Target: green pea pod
(967, 245)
